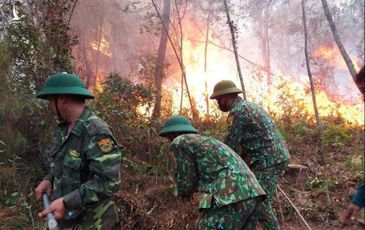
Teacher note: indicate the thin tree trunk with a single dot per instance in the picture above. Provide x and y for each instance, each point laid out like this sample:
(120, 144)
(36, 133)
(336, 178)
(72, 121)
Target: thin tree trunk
(182, 91)
(206, 62)
(338, 41)
(99, 34)
(88, 72)
(72, 11)
(319, 124)
(233, 34)
(97, 54)
(177, 57)
(159, 69)
(194, 110)
(267, 44)
(181, 54)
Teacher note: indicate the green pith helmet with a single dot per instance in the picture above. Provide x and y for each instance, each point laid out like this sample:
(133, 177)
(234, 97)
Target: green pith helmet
(64, 83)
(224, 87)
(177, 123)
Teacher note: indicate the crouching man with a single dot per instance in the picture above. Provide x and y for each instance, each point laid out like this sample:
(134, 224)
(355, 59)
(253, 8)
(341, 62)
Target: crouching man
(229, 191)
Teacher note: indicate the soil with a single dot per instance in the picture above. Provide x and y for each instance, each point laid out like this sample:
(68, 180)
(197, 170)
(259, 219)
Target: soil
(149, 202)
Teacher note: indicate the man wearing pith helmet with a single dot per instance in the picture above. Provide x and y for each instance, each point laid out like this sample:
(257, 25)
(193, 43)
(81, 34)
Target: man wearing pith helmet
(84, 160)
(229, 191)
(254, 136)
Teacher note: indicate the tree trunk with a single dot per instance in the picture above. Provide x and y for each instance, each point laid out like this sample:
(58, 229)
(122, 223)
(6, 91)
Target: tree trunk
(99, 34)
(267, 43)
(319, 125)
(159, 69)
(178, 57)
(233, 34)
(206, 62)
(284, 51)
(338, 41)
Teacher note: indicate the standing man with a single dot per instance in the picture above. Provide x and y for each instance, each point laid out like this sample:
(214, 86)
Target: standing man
(254, 136)
(229, 191)
(84, 160)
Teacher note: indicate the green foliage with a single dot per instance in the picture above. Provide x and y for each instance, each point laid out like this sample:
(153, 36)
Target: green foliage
(30, 50)
(19, 212)
(214, 126)
(335, 136)
(356, 164)
(297, 131)
(145, 69)
(37, 45)
(125, 106)
(11, 200)
(292, 108)
(319, 184)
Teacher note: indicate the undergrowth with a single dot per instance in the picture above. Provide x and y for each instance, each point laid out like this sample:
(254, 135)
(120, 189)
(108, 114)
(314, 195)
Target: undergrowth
(26, 127)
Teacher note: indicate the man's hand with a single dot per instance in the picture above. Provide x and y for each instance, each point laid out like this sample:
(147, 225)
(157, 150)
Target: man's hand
(44, 186)
(348, 216)
(57, 207)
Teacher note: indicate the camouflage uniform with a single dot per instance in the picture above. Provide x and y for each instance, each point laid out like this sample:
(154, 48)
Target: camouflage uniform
(253, 134)
(84, 169)
(228, 189)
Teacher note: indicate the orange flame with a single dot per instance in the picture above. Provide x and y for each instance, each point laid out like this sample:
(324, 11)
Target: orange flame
(221, 66)
(102, 46)
(328, 53)
(332, 55)
(353, 114)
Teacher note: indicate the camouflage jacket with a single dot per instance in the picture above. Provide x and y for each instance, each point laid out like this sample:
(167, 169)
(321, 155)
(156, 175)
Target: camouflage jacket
(254, 136)
(210, 167)
(84, 165)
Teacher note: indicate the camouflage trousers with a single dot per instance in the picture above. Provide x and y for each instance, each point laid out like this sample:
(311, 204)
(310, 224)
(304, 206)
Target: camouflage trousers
(229, 217)
(268, 179)
(103, 216)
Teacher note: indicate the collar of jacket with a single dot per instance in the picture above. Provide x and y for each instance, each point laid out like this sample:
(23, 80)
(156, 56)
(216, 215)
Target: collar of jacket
(236, 106)
(79, 123)
(77, 129)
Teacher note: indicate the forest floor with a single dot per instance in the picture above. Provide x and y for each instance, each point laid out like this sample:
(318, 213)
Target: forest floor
(146, 198)
(320, 193)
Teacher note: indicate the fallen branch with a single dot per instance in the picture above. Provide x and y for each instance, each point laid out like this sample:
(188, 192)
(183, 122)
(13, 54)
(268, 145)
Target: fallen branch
(297, 167)
(280, 208)
(295, 208)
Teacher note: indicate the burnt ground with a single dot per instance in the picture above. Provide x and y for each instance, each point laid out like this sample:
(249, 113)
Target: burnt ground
(158, 208)
(320, 193)
(146, 198)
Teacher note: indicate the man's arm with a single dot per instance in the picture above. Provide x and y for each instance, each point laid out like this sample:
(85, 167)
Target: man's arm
(349, 214)
(185, 174)
(359, 198)
(235, 134)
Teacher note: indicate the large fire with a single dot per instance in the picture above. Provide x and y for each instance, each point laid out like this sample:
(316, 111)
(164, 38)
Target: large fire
(299, 94)
(221, 65)
(201, 81)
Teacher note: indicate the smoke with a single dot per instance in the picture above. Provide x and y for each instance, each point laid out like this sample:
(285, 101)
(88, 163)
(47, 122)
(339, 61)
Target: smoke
(114, 34)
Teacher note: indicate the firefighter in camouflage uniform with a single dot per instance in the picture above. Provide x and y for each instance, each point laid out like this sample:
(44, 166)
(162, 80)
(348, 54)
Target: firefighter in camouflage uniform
(254, 136)
(84, 160)
(229, 191)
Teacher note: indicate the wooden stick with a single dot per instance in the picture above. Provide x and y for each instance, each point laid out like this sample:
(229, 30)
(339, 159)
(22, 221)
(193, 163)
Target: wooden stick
(295, 208)
(280, 209)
